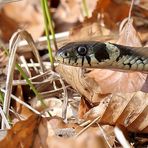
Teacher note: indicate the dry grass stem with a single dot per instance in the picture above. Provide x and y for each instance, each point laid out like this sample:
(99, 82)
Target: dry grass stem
(23, 103)
(4, 118)
(104, 135)
(84, 129)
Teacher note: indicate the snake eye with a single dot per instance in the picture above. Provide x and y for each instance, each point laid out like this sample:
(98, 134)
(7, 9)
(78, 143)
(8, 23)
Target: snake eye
(65, 54)
(82, 50)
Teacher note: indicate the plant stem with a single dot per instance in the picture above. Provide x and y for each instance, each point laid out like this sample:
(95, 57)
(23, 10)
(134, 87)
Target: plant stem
(85, 8)
(1, 97)
(49, 19)
(30, 84)
(28, 81)
(47, 34)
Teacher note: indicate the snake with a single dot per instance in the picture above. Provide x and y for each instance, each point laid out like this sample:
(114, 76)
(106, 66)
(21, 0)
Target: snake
(104, 55)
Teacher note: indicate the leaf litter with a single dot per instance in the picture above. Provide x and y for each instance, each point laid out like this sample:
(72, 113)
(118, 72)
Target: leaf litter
(108, 98)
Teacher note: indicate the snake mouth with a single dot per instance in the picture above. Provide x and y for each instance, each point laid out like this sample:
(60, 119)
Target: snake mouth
(59, 59)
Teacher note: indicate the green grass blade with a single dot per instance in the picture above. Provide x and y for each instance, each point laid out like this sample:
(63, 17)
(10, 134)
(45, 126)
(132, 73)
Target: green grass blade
(47, 34)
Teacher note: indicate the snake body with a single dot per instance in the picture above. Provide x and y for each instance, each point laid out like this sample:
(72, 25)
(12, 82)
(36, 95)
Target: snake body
(93, 54)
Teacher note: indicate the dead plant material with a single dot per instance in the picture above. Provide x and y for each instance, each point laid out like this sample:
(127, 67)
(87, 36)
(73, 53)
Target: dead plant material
(29, 19)
(51, 132)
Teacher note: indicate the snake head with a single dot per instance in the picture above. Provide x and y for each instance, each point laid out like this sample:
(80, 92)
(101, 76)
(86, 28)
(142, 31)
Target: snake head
(84, 54)
(75, 53)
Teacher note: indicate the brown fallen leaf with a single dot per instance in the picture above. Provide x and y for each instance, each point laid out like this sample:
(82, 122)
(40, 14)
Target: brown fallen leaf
(111, 12)
(90, 30)
(22, 134)
(6, 31)
(69, 13)
(53, 132)
(84, 106)
(29, 19)
(123, 109)
(20, 109)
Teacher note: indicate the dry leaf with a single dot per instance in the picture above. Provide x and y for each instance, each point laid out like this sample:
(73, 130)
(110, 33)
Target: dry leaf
(84, 106)
(111, 11)
(51, 132)
(30, 17)
(22, 134)
(67, 11)
(128, 109)
(6, 31)
(89, 30)
(70, 13)
(20, 109)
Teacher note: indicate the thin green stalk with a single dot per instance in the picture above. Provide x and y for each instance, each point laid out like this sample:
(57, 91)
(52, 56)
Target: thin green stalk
(47, 34)
(32, 87)
(85, 8)
(30, 84)
(1, 97)
(49, 19)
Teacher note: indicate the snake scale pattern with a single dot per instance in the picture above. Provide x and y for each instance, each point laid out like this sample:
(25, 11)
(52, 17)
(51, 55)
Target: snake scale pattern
(93, 54)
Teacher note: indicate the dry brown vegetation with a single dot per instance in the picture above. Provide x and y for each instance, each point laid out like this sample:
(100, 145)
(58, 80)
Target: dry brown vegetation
(79, 107)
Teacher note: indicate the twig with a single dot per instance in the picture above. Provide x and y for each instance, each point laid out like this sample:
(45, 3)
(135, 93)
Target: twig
(65, 102)
(84, 129)
(104, 135)
(23, 103)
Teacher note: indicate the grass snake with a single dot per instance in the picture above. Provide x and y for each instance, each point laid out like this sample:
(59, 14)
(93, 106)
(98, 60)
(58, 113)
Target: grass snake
(93, 54)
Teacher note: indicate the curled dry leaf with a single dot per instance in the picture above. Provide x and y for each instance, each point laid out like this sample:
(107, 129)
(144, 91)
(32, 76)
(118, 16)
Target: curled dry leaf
(129, 110)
